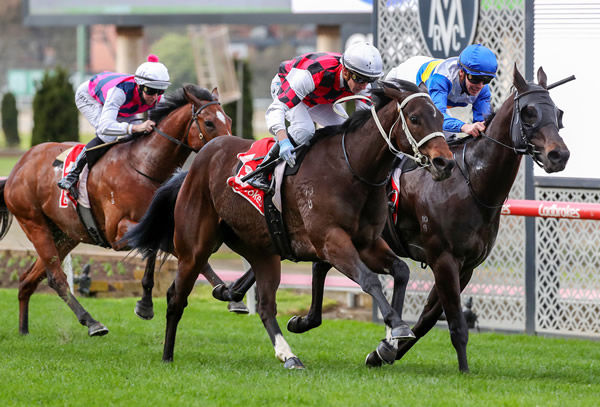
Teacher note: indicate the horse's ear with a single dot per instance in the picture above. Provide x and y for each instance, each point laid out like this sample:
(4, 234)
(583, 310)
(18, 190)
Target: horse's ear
(518, 80)
(189, 94)
(541, 77)
(215, 93)
(423, 87)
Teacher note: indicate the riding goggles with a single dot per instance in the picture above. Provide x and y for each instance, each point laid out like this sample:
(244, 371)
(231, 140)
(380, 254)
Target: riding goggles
(151, 91)
(361, 79)
(476, 79)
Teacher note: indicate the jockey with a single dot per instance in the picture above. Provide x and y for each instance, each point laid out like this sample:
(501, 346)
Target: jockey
(453, 82)
(110, 102)
(304, 91)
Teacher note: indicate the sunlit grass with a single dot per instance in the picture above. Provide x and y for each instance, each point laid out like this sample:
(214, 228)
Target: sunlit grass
(227, 360)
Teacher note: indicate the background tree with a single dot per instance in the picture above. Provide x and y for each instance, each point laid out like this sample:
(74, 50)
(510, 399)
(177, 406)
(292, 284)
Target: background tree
(55, 116)
(10, 116)
(175, 51)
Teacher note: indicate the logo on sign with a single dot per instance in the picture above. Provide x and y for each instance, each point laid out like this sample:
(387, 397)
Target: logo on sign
(555, 211)
(448, 26)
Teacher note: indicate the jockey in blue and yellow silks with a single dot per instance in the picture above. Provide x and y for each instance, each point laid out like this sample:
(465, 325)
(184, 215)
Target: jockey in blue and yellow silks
(455, 82)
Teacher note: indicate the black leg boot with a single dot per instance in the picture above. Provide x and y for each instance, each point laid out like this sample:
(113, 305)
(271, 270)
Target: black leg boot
(69, 182)
(260, 178)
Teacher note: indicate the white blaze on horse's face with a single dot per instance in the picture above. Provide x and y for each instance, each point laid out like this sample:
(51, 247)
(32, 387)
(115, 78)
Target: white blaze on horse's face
(431, 105)
(282, 350)
(221, 117)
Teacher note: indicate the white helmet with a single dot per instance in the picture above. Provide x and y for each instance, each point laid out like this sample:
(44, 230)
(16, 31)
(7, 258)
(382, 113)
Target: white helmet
(152, 74)
(364, 59)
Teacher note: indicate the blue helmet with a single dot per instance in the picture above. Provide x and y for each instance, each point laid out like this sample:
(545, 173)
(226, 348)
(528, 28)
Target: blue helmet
(478, 60)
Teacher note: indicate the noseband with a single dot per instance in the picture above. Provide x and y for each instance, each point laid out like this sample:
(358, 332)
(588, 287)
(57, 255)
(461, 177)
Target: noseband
(194, 119)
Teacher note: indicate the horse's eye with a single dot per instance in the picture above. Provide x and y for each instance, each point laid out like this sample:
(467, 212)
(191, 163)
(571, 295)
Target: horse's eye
(413, 119)
(208, 123)
(529, 115)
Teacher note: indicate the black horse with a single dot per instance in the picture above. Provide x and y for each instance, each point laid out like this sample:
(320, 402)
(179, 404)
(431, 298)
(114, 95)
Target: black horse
(452, 225)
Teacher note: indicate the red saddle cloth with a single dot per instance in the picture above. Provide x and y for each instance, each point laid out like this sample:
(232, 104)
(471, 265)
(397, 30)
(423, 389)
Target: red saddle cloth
(68, 164)
(250, 160)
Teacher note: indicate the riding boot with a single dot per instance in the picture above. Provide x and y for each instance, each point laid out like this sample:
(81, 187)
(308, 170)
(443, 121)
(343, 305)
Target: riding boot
(260, 179)
(69, 182)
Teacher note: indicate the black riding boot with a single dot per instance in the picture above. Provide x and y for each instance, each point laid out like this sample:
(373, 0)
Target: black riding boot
(69, 182)
(260, 179)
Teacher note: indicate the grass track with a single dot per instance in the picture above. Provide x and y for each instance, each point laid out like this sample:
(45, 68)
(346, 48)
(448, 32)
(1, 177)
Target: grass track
(226, 360)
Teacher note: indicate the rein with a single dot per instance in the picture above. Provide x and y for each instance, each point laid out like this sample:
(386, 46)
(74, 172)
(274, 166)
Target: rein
(194, 119)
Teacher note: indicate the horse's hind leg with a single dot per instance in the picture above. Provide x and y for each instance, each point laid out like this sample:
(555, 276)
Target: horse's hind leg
(144, 307)
(28, 282)
(268, 276)
(313, 319)
(49, 261)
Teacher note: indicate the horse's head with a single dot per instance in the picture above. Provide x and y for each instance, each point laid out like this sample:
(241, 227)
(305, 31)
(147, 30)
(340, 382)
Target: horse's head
(207, 119)
(421, 131)
(191, 116)
(535, 123)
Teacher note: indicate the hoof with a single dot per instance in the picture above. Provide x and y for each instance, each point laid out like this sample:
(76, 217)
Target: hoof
(218, 292)
(97, 329)
(373, 360)
(386, 352)
(293, 324)
(293, 363)
(143, 311)
(403, 333)
(238, 307)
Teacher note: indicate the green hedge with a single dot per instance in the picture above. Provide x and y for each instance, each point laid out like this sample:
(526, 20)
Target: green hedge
(10, 116)
(55, 116)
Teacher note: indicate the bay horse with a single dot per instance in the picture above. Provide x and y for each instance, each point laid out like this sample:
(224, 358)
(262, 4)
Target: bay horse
(120, 185)
(452, 225)
(334, 208)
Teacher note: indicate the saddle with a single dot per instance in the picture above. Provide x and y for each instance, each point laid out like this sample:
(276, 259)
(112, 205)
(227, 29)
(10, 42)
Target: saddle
(82, 205)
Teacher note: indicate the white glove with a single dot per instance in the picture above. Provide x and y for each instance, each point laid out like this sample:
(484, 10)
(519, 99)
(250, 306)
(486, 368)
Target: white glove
(286, 151)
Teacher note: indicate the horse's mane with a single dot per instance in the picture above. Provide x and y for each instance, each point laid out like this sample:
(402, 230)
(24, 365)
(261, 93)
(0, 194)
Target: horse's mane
(360, 117)
(176, 99)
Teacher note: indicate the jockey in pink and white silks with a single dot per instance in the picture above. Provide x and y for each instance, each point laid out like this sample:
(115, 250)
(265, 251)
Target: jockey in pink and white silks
(111, 102)
(455, 82)
(304, 91)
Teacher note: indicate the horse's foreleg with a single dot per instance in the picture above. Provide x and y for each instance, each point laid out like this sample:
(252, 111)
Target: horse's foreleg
(313, 319)
(144, 307)
(268, 276)
(342, 254)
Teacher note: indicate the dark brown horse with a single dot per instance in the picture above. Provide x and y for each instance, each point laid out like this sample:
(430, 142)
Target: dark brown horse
(334, 209)
(121, 185)
(452, 225)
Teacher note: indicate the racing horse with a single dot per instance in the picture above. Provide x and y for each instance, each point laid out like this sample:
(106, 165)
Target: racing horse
(451, 226)
(334, 208)
(120, 186)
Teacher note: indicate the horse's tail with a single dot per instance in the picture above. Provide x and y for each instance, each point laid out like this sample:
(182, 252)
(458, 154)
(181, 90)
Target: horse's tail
(5, 216)
(155, 230)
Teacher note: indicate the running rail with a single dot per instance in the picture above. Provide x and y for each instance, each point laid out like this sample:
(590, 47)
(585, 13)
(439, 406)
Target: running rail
(550, 209)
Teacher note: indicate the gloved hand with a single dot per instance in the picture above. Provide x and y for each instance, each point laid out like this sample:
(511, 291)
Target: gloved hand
(286, 151)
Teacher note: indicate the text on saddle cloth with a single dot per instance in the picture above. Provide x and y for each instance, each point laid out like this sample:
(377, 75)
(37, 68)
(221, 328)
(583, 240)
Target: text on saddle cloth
(68, 157)
(250, 160)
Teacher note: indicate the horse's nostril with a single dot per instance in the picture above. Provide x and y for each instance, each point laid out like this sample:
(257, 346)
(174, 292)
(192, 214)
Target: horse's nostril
(442, 163)
(557, 156)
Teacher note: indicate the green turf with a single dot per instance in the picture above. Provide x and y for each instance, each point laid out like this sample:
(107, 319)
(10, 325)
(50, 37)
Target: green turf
(223, 359)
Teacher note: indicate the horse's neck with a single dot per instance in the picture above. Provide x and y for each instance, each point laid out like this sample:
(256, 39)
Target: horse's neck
(492, 167)
(155, 155)
(368, 152)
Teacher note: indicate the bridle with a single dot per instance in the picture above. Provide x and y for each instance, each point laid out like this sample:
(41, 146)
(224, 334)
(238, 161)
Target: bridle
(421, 159)
(521, 133)
(194, 119)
